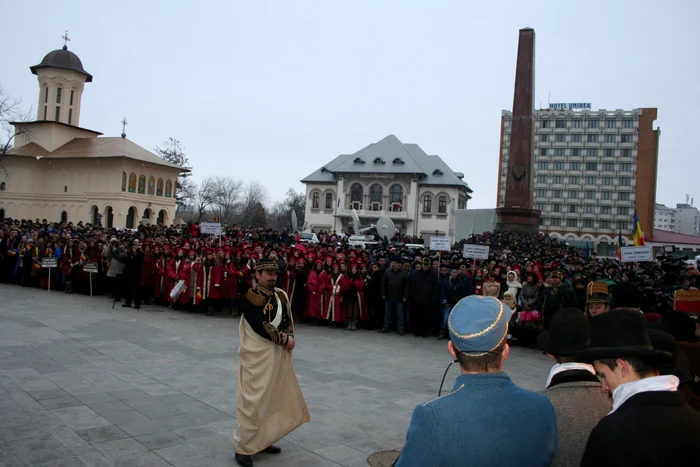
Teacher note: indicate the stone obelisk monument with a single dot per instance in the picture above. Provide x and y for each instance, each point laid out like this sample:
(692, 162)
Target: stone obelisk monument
(517, 213)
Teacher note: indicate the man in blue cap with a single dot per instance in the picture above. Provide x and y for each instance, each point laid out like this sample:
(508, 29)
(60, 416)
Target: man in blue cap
(486, 420)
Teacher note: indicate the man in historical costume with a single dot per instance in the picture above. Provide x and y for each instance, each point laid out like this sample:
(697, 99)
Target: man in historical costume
(335, 308)
(553, 296)
(597, 299)
(651, 424)
(477, 423)
(572, 388)
(269, 400)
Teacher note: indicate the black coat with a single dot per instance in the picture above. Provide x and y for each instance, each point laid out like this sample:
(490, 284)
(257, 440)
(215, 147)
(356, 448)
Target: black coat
(649, 429)
(425, 287)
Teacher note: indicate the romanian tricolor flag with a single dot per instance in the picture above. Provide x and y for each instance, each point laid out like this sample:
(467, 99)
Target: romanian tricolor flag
(638, 236)
(620, 244)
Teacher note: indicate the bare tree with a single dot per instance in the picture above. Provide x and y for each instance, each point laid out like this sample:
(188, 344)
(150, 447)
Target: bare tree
(253, 196)
(225, 195)
(11, 121)
(279, 216)
(185, 189)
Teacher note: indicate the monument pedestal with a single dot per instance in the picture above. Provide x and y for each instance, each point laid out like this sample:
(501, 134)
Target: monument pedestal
(518, 220)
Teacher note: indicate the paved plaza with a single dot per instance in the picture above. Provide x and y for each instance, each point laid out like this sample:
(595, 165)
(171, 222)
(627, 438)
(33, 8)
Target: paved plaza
(84, 384)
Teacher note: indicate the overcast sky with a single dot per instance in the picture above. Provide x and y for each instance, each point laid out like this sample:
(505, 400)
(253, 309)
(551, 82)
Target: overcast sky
(272, 90)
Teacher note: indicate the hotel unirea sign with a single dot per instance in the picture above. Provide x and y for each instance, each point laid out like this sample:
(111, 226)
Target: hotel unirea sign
(570, 106)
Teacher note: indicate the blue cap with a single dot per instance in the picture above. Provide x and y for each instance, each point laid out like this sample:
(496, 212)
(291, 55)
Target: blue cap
(477, 324)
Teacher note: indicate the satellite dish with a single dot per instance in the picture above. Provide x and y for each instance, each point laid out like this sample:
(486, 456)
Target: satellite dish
(356, 222)
(385, 228)
(295, 223)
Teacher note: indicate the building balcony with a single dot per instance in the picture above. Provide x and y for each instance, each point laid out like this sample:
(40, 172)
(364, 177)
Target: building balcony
(394, 213)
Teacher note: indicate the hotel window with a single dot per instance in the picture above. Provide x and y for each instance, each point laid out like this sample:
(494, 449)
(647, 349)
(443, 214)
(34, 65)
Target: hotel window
(539, 206)
(543, 152)
(609, 153)
(588, 209)
(609, 138)
(588, 223)
(626, 167)
(607, 195)
(58, 95)
(427, 203)
(628, 123)
(591, 166)
(571, 222)
(543, 165)
(557, 194)
(625, 153)
(623, 211)
(560, 124)
(578, 123)
(576, 152)
(576, 138)
(544, 123)
(58, 113)
(575, 166)
(591, 152)
(329, 200)
(572, 194)
(71, 96)
(622, 225)
(556, 222)
(558, 179)
(592, 123)
(573, 180)
(70, 116)
(442, 205)
(314, 200)
(559, 152)
(572, 208)
(541, 193)
(592, 138)
(607, 181)
(607, 210)
(558, 166)
(589, 194)
(541, 221)
(625, 196)
(608, 167)
(625, 138)
(610, 124)
(604, 224)
(556, 208)
(560, 138)
(541, 179)
(625, 181)
(544, 138)
(590, 180)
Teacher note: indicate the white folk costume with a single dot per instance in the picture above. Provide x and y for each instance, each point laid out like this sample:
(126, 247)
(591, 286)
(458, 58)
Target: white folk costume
(269, 400)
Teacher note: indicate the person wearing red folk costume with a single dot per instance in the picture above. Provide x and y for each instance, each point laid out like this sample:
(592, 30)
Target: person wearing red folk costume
(316, 288)
(148, 272)
(297, 291)
(353, 296)
(185, 274)
(216, 291)
(198, 279)
(81, 277)
(173, 269)
(335, 310)
(158, 289)
(226, 282)
(162, 267)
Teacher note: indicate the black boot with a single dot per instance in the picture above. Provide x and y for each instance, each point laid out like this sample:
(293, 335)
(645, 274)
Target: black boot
(243, 460)
(272, 449)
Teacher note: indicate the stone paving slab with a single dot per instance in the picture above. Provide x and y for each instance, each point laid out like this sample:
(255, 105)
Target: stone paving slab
(84, 385)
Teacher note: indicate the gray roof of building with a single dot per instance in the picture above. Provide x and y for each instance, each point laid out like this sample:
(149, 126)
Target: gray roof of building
(389, 156)
(63, 59)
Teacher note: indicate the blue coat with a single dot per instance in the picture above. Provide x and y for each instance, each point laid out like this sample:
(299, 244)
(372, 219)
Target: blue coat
(486, 421)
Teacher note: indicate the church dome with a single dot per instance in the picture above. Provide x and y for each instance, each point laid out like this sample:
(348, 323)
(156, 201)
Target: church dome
(63, 59)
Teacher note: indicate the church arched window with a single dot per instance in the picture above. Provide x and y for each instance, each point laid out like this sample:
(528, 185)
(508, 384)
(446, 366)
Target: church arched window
(142, 185)
(123, 181)
(168, 189)
(159, 188)
(132, 183)
(151, 186)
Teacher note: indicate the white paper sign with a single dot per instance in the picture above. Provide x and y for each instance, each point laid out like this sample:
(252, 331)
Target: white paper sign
(476, 251)
(440, 243)
(634, 254)
(211, 228)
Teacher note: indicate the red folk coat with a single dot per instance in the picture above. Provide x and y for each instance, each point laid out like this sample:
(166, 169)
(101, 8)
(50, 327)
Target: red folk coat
(335, 311)
(357, 285)
(217, 285)
(173, 269)
(316, 286)
(148, 271)
(159, 272)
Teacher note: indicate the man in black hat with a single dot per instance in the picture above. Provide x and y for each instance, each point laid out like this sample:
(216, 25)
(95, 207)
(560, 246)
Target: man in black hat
(572, 387)
(651, 424)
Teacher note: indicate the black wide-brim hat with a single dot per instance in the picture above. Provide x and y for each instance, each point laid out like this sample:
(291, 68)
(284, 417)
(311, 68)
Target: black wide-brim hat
(621, 333)
(568, 333)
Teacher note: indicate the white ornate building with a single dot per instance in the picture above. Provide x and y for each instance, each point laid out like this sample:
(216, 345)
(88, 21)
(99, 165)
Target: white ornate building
(418, 192)
(61, 172)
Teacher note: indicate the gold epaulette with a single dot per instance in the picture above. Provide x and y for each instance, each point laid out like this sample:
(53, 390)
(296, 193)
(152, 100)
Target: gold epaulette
(256, 298)
(282, 296)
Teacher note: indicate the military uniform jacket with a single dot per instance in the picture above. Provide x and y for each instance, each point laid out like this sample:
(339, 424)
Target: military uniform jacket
(261, 309)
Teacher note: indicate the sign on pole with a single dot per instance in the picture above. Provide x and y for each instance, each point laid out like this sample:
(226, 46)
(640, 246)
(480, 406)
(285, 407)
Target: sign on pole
(636, 254)
(90, 268)
(49, 262)
(211, 228)
(476, 251)
(440, 243)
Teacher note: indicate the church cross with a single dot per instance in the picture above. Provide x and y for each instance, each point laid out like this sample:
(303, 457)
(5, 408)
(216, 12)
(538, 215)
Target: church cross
(124, 124)
(65, 39)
